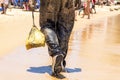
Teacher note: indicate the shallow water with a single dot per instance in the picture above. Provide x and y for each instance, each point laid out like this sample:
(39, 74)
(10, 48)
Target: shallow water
(102, 33)
(98, 49)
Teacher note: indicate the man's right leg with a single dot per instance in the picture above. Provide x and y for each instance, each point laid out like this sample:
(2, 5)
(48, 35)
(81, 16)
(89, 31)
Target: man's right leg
(48, 21)
(54, 50)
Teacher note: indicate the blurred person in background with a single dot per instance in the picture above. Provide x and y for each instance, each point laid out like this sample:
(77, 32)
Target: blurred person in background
(26, 5)
(87, 9)
(4, 5)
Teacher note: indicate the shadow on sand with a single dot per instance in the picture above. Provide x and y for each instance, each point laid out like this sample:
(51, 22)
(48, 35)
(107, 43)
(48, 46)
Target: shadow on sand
(47, 69)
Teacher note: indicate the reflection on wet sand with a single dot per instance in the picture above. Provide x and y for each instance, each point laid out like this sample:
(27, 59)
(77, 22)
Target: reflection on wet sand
(113, 32)
(98, 50)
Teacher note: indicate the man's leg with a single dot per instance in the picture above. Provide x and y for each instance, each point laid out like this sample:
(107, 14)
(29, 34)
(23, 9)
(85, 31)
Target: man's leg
(54, 50)
(65, 25)
(63, 41)
(49, 10)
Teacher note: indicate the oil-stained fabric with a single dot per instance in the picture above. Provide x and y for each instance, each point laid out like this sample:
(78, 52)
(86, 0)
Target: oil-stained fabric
(56, 22)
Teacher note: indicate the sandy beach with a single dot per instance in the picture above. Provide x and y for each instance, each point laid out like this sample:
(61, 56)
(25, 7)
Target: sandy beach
(14, 28)
(19, 64)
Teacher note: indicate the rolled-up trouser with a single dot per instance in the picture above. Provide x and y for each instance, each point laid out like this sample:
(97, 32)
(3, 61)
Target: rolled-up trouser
(52, 41)
(57, 42)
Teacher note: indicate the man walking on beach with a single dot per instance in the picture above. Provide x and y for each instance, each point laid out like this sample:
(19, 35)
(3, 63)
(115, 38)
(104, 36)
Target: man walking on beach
(56, 22)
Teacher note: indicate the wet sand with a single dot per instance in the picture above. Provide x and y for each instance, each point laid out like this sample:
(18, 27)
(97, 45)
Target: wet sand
(94, 49)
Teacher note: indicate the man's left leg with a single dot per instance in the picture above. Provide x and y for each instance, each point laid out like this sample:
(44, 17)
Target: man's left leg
(64, 29)
(54, 50)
